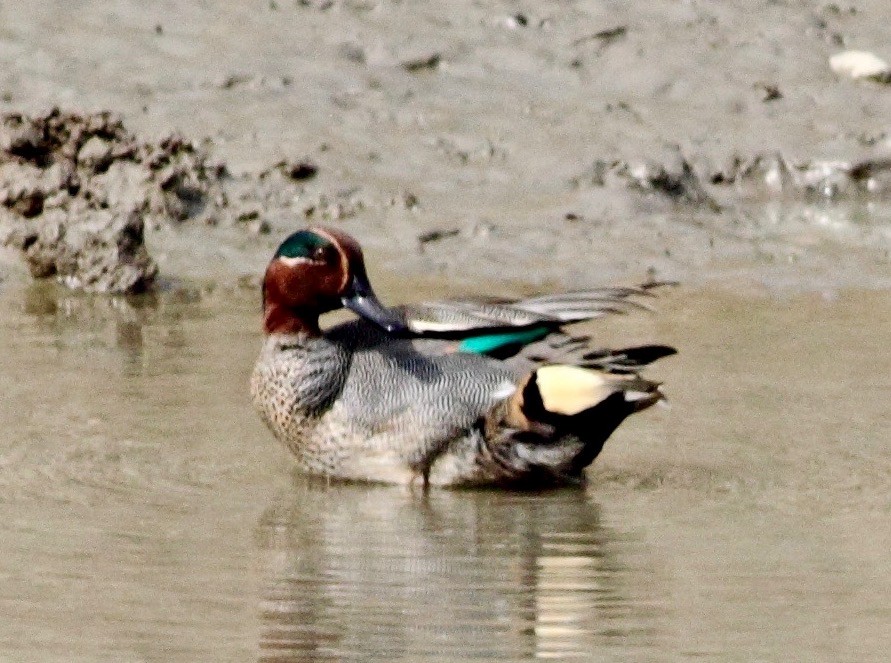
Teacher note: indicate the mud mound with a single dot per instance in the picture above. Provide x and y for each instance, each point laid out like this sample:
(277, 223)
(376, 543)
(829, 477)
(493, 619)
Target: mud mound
(76, 192)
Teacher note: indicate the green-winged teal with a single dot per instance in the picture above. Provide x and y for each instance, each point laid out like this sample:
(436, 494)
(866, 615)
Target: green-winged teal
(450, 393)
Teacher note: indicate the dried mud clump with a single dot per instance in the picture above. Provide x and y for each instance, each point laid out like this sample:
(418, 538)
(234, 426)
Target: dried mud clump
(104, 254)
(76, 192)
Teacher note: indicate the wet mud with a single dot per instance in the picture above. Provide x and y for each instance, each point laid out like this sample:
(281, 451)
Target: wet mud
(576, 144)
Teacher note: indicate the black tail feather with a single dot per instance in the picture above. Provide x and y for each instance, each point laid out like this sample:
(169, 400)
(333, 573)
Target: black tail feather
(626, 359)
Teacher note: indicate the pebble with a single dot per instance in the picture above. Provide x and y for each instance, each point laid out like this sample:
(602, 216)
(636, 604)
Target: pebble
(861, 65)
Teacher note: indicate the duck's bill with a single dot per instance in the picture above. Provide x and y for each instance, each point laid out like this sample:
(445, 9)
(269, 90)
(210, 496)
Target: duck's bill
(361, 300)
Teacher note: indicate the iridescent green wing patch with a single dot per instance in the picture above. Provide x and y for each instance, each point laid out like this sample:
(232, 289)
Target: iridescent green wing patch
(489, 343)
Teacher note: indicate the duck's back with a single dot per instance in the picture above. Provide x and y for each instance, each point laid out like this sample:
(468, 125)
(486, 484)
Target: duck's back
(413, 402)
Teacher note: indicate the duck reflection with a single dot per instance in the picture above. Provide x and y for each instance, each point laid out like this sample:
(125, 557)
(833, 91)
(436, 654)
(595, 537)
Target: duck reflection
(374, 572)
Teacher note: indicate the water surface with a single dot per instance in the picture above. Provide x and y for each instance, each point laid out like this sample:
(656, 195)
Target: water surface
(146, 515)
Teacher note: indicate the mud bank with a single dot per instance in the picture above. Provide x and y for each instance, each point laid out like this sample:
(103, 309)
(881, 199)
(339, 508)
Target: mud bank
(576, 143)
(79, 191)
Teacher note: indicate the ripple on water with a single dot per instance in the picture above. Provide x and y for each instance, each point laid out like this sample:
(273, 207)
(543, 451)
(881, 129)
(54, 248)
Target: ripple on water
(751, 518)
(95, 400)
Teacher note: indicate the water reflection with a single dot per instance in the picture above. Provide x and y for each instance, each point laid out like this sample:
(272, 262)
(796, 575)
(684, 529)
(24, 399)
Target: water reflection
(358, 572)
(116, 322)
(749, 522)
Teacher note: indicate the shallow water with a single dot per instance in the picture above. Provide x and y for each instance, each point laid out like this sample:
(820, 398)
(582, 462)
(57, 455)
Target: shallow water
(145, 514)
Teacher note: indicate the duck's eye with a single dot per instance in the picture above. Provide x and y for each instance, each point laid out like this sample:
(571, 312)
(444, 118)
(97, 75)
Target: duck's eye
(323, 254)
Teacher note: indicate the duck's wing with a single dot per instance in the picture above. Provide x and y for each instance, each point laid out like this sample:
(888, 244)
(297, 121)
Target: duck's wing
(462, 317)
(502, 328)
(577, 350)
(527, 332)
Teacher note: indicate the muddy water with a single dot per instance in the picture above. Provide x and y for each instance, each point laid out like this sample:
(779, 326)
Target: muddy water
(145, 515)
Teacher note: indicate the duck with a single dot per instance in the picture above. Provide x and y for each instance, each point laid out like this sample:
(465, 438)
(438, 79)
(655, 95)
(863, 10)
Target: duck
(460, 393)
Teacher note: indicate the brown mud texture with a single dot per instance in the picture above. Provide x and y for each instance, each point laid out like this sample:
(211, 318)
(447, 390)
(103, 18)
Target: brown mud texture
(572, 143)
(77, 192)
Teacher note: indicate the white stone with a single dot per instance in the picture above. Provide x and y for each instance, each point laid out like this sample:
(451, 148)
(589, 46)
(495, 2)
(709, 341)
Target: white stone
(861, 65)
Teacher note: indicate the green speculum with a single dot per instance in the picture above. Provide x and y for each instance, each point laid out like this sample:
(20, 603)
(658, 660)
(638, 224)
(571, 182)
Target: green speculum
(489, 343)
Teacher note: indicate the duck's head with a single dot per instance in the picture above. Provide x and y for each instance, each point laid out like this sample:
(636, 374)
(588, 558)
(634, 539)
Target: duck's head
(315, 271)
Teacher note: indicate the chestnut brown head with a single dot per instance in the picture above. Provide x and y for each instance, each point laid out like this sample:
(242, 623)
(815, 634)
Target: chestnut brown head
(315, 271)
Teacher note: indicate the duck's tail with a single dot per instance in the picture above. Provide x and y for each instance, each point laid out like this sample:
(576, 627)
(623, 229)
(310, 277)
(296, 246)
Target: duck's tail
(558, 420)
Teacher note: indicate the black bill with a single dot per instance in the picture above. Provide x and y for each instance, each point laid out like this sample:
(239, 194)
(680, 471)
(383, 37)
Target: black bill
(361, 300)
